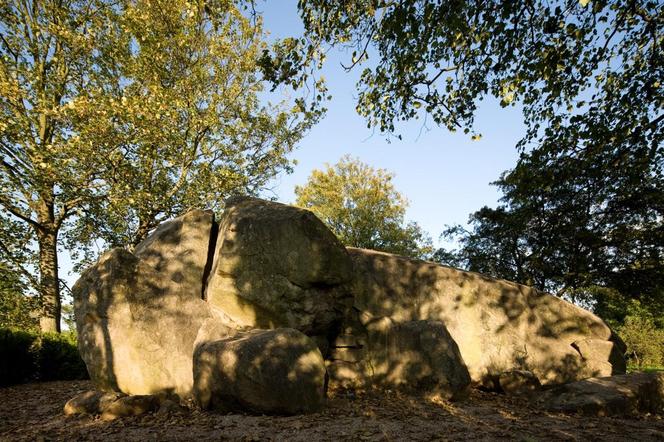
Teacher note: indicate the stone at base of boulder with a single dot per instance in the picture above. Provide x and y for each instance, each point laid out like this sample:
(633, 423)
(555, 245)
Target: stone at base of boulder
(90, 402)
(112, 405)
(266, 371)
(417, 356)
(518, 382)
(169, 407)
(605, 358)
(130, 406)
(627, 394)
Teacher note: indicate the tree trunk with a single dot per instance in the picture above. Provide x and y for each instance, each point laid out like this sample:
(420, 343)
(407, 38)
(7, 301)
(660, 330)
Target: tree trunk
(142, 231)
(49, 283)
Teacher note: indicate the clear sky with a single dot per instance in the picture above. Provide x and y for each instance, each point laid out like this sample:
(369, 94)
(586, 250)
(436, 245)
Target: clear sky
(445, 176)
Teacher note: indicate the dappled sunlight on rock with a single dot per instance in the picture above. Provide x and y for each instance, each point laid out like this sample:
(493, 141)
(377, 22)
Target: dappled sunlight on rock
(254, 313)
(278, 266)
(267, 371)
(498, 325)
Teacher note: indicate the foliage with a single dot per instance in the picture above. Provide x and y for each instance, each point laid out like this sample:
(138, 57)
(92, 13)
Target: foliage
(28, 356)
(59, 358)
(16, 309)
(186, 124)
(18, 361)
(573, 63)
(117, 115)
(589, 226)
(644, 340)
(50, 53)
(362, 207)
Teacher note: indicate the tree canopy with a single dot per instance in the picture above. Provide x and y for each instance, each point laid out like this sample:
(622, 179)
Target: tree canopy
(362, 207)
(590, 67)
(115, 115)
(588, 227)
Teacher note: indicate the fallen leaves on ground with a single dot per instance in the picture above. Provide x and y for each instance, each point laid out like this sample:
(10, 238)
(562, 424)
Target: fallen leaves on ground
(34, 412)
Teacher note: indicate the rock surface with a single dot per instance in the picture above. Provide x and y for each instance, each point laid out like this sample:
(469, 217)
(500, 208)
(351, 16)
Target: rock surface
(187, 314)
(267, 371)
(111, 405)
(278, 266)
(135, 334)
(498, 325)
(91, 402)
(603, 358)
(179, 249)
(130, 406)
(415, 355)
(518, 382)
(621, 395)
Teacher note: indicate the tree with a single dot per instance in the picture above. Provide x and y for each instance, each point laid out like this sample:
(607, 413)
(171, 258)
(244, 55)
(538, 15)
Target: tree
(117, 114)
(362, 207)
(589, 228)
(16, 310)
(572, 63)
(193, 126)
(643, 336)
(48, 57)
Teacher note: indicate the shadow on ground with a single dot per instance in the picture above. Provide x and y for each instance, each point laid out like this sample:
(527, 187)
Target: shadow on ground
(34, 412)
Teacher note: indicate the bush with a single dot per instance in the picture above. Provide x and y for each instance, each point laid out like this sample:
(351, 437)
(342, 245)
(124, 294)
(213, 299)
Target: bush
(644, 340)
(59, 358)
(17, 356)
(27, 356)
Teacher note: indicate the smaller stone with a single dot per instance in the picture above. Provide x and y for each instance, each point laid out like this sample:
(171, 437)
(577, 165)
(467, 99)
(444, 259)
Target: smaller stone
(169, 406)
(518, 382)
(90, 402)
(602, 358)
(416, 355)
(130, 406)
(265, 371)
(348, 354)
(349, 374)
(348, 340)
(622, 395)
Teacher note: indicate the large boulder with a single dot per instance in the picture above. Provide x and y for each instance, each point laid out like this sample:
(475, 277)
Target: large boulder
(414, 355)
(138, 318)
(417, 355)
(628, 394)
(266, 371)
(278, 266)
(179, 250)
(187, 313)
(498, 325)
(135, 334)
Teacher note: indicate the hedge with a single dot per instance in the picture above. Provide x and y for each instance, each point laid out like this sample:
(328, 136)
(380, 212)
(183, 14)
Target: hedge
(28, 357)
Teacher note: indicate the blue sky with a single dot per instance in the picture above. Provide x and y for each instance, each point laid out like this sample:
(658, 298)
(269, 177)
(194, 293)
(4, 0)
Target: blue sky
(445, 176)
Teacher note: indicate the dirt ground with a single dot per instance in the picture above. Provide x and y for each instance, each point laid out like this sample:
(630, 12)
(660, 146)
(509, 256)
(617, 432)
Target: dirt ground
(34, 412)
